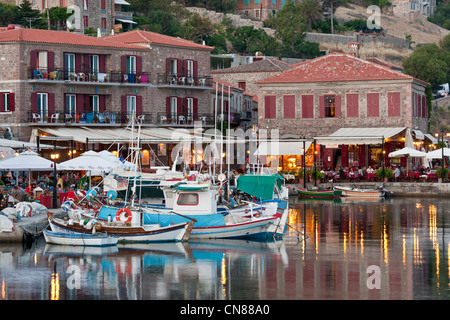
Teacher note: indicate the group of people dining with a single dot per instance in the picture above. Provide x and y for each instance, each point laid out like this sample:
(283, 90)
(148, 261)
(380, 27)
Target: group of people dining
(355, 174)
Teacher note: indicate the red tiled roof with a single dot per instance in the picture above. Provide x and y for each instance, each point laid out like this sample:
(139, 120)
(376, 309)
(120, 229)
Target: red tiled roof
(384, 63)
(336, 67)
(59, 37)
(140, 36)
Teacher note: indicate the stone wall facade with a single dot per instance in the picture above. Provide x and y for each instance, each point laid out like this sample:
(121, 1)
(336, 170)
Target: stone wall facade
(320, 126)
(17, 77)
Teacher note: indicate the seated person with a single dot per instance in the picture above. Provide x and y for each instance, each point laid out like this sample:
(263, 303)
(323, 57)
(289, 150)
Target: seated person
(396, 173)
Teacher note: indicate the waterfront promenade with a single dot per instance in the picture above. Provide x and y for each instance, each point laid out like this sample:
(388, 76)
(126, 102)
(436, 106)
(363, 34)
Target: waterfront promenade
(399, 189)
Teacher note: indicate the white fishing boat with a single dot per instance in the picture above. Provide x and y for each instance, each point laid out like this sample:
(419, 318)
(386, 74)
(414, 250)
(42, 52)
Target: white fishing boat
(127, 226)
(80, 239)
(357, 192)
(199, 201)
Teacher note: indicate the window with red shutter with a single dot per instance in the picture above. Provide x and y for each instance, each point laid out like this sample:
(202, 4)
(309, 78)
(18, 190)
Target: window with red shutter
(352, 105)
(330, 106)
(270, 105)
(373, 105)
(308, 106)
(289, 106)
(394, 104)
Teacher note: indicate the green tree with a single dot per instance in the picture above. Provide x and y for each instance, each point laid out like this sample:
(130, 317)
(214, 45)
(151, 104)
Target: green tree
(429, 63)
(58, 17)
(158, 21)
(312, 11)
(8, 14)
(25, 12)
(332, 5)
(290, 26)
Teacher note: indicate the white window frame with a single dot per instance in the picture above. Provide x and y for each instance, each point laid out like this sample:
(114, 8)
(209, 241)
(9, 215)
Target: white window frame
(6, 102)
(71, 104)
(190, 107)
(131, 64)
(95, 103)
(173, 107)
(42, 105)
(131, 105)
(42, 60)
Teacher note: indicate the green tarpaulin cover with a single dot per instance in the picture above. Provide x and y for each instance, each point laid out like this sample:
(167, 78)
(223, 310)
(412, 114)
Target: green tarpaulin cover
(259, 186)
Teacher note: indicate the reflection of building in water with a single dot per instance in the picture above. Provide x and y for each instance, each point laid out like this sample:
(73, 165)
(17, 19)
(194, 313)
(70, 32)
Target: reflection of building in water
(345, 240)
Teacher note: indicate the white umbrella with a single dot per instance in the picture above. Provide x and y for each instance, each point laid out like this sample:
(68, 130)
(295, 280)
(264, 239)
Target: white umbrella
(407, 152)
(89, 160)
(437, 154)
(125, 165)
(27, 161)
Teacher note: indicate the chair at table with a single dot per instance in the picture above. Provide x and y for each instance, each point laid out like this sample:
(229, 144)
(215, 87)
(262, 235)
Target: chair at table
(54, 117)
(101, 117)
(36, 117)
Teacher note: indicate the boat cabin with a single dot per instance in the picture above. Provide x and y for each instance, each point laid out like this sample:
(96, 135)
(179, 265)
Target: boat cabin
(195, 199)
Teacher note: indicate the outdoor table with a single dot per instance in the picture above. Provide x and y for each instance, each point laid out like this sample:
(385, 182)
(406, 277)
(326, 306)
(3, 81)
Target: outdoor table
(414, 175)
(432, 176)
(371, 175)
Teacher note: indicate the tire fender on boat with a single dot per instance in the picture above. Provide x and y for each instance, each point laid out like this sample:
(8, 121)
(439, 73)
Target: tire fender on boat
(123, 215)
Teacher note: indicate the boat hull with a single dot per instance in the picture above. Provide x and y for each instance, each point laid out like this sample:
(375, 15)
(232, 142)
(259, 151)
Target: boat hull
(150, 233)
(79, 239)
(360, 193)
(319, 194)
(252, 229)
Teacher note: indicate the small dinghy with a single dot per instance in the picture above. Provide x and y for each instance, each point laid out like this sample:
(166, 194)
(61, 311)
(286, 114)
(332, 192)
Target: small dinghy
(80, 239)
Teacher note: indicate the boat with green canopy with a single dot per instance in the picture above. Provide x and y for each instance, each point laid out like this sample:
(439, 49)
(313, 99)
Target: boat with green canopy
(268, 197)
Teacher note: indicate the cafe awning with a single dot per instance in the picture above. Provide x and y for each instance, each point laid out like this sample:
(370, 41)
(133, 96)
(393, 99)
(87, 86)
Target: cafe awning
(359, 136)
(122, 135)
(281, 148)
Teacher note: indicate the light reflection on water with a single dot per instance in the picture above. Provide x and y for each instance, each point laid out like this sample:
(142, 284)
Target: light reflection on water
(406, 239)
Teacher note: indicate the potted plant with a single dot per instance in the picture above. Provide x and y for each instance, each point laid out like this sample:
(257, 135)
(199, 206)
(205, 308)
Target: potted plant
(388, 174)
(71, 77)
(317, 175)
(439, 174)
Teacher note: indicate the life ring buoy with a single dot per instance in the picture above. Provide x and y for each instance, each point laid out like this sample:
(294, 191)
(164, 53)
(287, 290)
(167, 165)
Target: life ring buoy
(123, 215)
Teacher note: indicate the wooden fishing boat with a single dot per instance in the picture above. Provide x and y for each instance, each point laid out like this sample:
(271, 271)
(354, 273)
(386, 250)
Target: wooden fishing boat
(319, 194)
(80, 239)
(199, 202)
(356, 192)
(125, 231)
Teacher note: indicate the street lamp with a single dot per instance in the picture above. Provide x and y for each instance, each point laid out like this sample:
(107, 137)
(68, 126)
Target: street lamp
(54, 156)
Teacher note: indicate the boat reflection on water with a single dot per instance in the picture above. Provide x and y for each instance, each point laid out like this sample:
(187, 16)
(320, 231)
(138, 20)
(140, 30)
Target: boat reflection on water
(407, 240)
(194, 270)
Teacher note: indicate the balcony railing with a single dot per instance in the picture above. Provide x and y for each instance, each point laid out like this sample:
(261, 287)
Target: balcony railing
(173, 79)
(91, 76)
(115, 118)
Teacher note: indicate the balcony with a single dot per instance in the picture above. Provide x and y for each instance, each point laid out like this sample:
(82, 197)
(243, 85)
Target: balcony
(107, 78)
(173, 79)
(116, 119)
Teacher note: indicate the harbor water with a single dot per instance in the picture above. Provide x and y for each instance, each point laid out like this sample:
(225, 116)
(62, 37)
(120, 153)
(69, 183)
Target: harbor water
(364, 249)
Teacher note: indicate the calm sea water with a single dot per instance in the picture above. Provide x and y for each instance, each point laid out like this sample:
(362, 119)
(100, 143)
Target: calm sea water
(390, 249)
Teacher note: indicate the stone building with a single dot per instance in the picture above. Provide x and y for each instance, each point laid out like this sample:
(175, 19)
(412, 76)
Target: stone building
(66, 84)
(259, 9)
(105, 15)
(318, 97)
(412, 9)
(245, 76)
